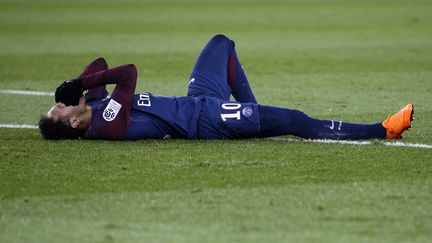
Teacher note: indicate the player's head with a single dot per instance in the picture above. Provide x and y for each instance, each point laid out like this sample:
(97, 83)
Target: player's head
(63, 122)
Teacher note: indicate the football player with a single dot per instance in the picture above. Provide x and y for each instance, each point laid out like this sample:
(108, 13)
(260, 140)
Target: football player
(206, 112)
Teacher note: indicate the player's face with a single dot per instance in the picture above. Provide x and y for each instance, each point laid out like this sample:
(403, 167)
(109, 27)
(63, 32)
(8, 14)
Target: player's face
(60, 110)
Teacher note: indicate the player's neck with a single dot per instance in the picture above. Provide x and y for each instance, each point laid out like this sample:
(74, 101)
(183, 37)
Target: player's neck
(85, 118)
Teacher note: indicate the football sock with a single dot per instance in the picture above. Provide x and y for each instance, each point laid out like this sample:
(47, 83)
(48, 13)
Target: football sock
(279, 121)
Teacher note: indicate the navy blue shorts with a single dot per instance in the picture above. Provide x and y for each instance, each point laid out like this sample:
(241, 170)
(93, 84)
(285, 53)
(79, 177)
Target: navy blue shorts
(221, 119)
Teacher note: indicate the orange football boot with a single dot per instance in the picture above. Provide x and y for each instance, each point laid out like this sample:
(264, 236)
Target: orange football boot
(397, 123)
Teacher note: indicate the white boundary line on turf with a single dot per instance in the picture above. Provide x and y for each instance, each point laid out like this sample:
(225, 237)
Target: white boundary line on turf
(22, 126)
(320, 141)
(26, 92)
(411, 145)
(391, 144)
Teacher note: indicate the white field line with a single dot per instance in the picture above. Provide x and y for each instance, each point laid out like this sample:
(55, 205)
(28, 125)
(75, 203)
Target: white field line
(411, 145)
(26, 92)
(23, 126)
(391, 144)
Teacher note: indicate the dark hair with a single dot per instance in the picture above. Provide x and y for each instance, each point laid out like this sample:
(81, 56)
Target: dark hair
(60, 129)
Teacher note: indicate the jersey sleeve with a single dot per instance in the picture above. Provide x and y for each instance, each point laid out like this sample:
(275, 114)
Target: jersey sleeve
(114, 118)
(99, 92)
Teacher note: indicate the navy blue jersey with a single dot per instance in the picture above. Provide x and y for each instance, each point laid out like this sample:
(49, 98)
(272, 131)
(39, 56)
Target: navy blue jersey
(152, 116)
(156, 116)
(143, 125)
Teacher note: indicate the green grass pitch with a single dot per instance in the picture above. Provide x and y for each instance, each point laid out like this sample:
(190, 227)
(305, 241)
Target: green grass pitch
(349, 60)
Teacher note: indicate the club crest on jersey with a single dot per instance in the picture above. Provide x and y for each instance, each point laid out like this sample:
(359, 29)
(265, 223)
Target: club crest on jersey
(111, 110)
(247, 111)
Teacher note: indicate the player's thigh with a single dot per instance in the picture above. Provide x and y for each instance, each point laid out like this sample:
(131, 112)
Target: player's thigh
(209, 75)
(228, 120)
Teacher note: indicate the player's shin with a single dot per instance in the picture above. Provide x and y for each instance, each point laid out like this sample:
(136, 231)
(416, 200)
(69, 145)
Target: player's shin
(279, 121)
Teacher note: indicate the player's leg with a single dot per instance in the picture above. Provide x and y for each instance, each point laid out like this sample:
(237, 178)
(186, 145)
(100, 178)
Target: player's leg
(209, 74)
(279, 121)
(237, 80)
(217, 72)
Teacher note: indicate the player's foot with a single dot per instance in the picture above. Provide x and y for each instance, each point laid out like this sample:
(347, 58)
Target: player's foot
(397, 123)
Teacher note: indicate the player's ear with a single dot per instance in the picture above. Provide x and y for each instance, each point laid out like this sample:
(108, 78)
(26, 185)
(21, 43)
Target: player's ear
(74, 121)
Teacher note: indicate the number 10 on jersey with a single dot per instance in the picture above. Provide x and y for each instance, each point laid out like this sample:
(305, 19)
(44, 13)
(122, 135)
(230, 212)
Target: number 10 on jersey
(230, 108)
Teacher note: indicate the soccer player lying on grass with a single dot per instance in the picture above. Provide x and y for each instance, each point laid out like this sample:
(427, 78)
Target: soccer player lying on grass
(205, 113)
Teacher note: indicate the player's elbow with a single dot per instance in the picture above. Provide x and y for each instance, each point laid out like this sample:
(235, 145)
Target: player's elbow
(132, 72)
(131, 68)
(101, 63)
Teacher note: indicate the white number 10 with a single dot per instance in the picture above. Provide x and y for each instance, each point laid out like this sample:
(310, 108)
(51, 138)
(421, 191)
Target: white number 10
(231, 107)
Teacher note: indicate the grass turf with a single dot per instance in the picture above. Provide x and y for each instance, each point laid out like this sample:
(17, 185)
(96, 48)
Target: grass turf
(346, 60)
